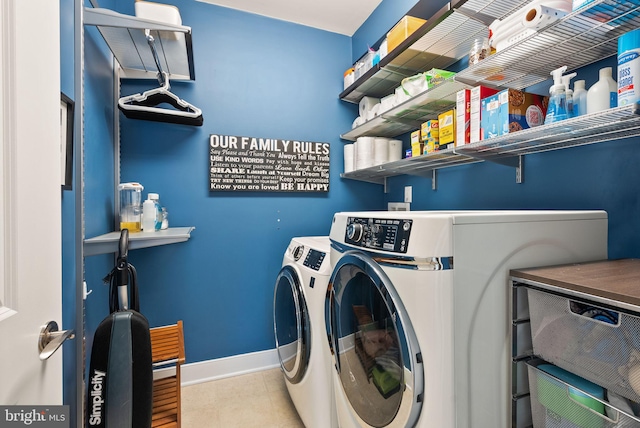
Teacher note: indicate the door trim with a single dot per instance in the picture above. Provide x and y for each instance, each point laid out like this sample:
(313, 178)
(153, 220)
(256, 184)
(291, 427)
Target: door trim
(8, 293)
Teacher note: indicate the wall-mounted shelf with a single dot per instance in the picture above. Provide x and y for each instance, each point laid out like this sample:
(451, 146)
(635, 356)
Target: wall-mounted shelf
(444, 39)
(409, 115)
(108, 243)
(612, 124)
(125, 36)
(579, 39)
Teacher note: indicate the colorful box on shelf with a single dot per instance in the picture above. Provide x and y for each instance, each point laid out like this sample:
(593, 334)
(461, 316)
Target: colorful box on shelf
(447, 127)
(403, 29)
(475, 111)
(429, 130)
(463, 117)
(510, 111)
(416, 143)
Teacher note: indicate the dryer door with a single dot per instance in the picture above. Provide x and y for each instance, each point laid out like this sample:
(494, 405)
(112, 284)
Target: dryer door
(291, 324)
(375, 349)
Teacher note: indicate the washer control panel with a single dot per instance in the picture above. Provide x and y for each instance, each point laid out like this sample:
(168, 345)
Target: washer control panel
(314, 259)
(381, 234)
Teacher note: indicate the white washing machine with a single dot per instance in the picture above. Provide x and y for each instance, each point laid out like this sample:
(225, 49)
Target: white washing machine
(300, 329)
(419, 309)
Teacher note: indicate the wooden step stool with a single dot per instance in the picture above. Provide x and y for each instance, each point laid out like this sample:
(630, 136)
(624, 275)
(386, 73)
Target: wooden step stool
(167, 350)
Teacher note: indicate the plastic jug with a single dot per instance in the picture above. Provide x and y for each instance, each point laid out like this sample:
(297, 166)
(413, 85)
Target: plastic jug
(130, 206)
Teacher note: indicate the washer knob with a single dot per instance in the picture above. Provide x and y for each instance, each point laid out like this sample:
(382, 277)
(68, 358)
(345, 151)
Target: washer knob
(297, 252)
(355, 232)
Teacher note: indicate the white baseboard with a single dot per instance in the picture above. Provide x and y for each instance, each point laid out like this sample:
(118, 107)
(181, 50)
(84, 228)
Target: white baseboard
(204, 371)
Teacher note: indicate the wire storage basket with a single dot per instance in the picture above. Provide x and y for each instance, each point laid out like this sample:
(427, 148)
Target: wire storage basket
(598, 343)
(557, 404)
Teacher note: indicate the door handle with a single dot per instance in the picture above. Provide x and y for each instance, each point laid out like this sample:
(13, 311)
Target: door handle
(51, 338)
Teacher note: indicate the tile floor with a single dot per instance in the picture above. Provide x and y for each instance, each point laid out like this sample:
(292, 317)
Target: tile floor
(257, 400)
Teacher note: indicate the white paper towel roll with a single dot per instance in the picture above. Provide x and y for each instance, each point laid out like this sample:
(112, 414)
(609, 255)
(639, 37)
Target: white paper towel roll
(395, 150)
(364, 152)
(366, 104)
(540, 16)
(349, 160)
(380, 150)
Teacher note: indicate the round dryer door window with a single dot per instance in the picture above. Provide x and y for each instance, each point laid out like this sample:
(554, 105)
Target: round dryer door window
(291, 324)
(375, 350)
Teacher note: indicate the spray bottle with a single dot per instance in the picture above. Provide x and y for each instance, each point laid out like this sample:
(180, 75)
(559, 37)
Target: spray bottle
(557, 109)
(566, 81)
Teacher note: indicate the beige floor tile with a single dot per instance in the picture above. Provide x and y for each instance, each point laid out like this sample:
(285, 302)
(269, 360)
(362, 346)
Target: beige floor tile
(259, 400)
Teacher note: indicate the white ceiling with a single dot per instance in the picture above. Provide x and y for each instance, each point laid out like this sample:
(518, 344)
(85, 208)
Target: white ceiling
(336, 16)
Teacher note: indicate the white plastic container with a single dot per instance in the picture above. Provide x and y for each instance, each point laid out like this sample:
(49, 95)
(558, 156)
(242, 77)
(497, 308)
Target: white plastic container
(158, 12)
(629, 68)
(603, 94)
(579, 98)
(149, 214)
(158, 220)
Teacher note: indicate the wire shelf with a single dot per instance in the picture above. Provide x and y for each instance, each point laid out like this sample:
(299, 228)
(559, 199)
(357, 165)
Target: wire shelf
(612, 124)
(409, 115)
(443, 40)
(581, 38)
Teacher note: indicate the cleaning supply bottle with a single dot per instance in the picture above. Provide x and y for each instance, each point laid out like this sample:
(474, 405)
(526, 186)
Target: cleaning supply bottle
(557, 109)
(603, 94)
(628, 68)
(149, 214)
(566, 82)
(579, 98)
(158, 210)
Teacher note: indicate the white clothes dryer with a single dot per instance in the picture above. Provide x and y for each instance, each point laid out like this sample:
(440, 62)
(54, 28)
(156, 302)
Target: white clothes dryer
(419, 309)
(300, 329)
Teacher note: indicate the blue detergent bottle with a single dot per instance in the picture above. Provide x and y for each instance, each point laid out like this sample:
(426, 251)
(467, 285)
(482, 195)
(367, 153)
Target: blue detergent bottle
(557, 109)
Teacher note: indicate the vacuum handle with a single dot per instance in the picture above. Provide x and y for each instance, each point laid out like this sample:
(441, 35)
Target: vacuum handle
(123, 246)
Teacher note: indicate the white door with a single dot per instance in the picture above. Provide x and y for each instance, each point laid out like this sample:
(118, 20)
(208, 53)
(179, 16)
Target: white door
(30, 237)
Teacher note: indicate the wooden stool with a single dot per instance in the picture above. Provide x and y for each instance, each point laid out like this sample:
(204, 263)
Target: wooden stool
(167, 350)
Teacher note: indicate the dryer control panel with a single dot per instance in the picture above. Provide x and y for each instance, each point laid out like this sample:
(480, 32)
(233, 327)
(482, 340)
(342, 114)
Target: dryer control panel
(380, 234)
(314, 259)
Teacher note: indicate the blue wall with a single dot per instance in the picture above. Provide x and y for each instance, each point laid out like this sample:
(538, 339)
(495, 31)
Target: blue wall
(257, 77)
(267, 78)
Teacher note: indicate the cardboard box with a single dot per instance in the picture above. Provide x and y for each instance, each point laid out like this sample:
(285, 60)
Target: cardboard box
(403, 29)
(416, 143)
(475, 111)
(430, 145)
(429, 129)
(447, 125)
(510, 111)
(463, 117)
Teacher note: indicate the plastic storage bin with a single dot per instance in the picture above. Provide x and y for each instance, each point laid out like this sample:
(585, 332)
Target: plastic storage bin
(599, 344)
(558, 404)
(403, 29)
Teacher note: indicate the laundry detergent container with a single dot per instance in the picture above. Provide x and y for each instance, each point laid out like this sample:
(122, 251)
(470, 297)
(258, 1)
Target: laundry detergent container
(598, 343)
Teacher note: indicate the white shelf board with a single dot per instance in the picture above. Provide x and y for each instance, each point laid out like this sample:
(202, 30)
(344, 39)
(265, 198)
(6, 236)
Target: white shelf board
(108, 243)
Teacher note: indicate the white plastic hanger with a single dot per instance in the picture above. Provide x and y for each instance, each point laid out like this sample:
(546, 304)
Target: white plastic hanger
(146, 106)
